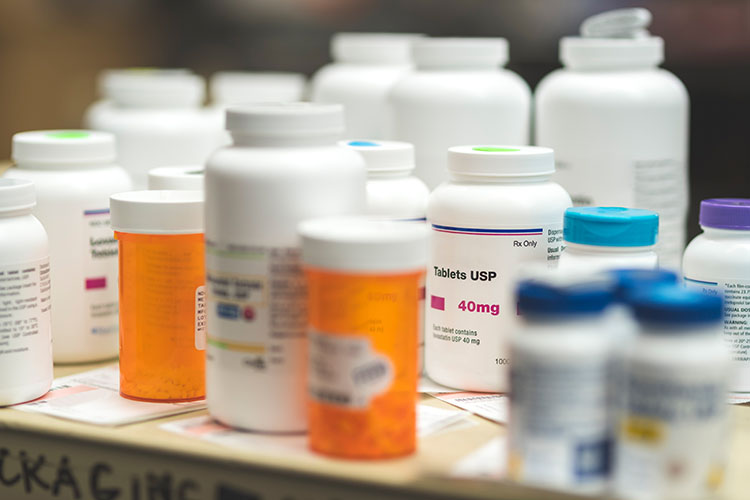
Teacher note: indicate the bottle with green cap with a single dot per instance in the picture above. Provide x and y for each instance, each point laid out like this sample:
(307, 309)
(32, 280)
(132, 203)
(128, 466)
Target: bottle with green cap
(605, 238)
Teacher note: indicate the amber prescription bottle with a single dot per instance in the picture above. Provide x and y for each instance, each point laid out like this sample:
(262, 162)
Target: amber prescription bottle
(162, 294)
(364, 279)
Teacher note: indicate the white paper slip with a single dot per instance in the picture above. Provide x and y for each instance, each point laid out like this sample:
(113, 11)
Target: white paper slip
(487, 405)
(488, 462)
(428, 386)
(431, 420)
(738, 398)
(94, 397)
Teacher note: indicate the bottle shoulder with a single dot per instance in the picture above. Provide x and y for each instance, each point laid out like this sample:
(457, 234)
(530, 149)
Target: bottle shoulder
(282, 162)
(74, 182)
(718, 258)
(429, 85)
(22, 239)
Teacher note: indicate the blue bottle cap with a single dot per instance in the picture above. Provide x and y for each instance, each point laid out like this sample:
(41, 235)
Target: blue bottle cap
(537, 298)
(630, 281)
(611, 226)
(674, 305)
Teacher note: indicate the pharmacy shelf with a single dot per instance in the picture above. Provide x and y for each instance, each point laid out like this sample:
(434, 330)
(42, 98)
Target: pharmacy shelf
(43, 457)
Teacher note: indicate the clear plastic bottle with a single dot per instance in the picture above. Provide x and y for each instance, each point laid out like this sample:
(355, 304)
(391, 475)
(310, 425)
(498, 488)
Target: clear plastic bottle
(74, 172)
(365, 66)
(459, 94)
(498, 212)
(25, 338)
(619, 124)
(284, 167)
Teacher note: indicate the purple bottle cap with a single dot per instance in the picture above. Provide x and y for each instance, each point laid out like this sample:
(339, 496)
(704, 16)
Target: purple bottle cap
(725, 213)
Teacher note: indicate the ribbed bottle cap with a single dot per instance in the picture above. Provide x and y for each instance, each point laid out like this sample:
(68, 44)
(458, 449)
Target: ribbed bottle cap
(460, 52)
(383, 156)
(541, 297)
(501, 161)
(153, 87)
(631, 281)
(16, 194)
(725, 213)
(676, 305)
(157, 212)
(362, 244)
(286, 119)
(237, 87)
(63, 148)
(610, 226)
(378, 48)
(183, 178)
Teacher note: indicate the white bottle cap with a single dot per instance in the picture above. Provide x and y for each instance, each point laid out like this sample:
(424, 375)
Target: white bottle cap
(460, 52)
(63, 148)
(157, 212)
(272, 120)
(183, 178)
(383, 156)
(378, 48)
(16, 194)
(362, 244)
(152, 87)
(501, 161)
(237, 87)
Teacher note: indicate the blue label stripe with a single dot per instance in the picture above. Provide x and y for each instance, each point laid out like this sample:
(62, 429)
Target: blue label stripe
(96, 212)
(489, 232)
(710, 283)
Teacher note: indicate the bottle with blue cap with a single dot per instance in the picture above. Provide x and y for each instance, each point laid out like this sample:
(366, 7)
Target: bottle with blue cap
(672, 425)
(560, 426)
(604, 238)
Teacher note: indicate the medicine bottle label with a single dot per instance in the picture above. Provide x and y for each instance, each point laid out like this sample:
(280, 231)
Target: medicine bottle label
(200, 318)
(736, 295)
(345, 371)
(673, 432)
(471, 305)
(25, 308)
(100, 273)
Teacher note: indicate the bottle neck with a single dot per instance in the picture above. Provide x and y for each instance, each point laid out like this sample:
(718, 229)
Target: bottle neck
(388, 174)
(594, 249)
(62, 166)
(464, 178)
(15, 213)
(291, 141)
(457, 67)
(713, 232)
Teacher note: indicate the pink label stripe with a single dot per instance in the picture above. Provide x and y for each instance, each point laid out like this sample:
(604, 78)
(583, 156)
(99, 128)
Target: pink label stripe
(96, 283)
(488, 234)
(437, 302)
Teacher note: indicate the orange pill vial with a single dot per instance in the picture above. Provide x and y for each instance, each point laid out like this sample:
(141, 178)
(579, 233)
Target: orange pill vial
(162, 294)
(364, 285)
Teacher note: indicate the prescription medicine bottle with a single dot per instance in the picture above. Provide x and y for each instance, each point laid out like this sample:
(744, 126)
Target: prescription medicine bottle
(283, 167)
(459, 93)
(619, 123)
(606, 238)
(74, 173)
(364, 280)
(187, 178)
(25, 338)
(162, 294)
(393, 192)
(498, 212)
(365, 66)
(673, 427)
(718, 263)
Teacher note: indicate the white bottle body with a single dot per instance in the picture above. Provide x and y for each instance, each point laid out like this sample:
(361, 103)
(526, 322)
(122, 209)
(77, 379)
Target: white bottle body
(482, 228)
(363, 90)
(438, 109)
(560, 425)
(25, 359)
(256, 298)
(401, 197)
(673, 430)
(590, 258)
(156, 137)
(620, 139)
(718, 262)
(73, 206)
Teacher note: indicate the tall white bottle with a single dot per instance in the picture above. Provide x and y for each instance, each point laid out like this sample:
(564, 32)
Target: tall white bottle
(459, 94)
(619, 124)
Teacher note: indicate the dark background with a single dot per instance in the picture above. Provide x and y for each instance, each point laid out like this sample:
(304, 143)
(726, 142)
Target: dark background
(52, 50)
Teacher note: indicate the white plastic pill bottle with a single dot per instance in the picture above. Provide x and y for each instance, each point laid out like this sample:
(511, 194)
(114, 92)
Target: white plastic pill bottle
(179, 177)
(25, 338)
(74, 173)
(718, 262)
(673, 428)
(284, 167)
(365, 66)
(604, 238)
(560, 425)
(498, 211)
(157, 118)
(459, 94)
(393, 192)
(619, 124)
